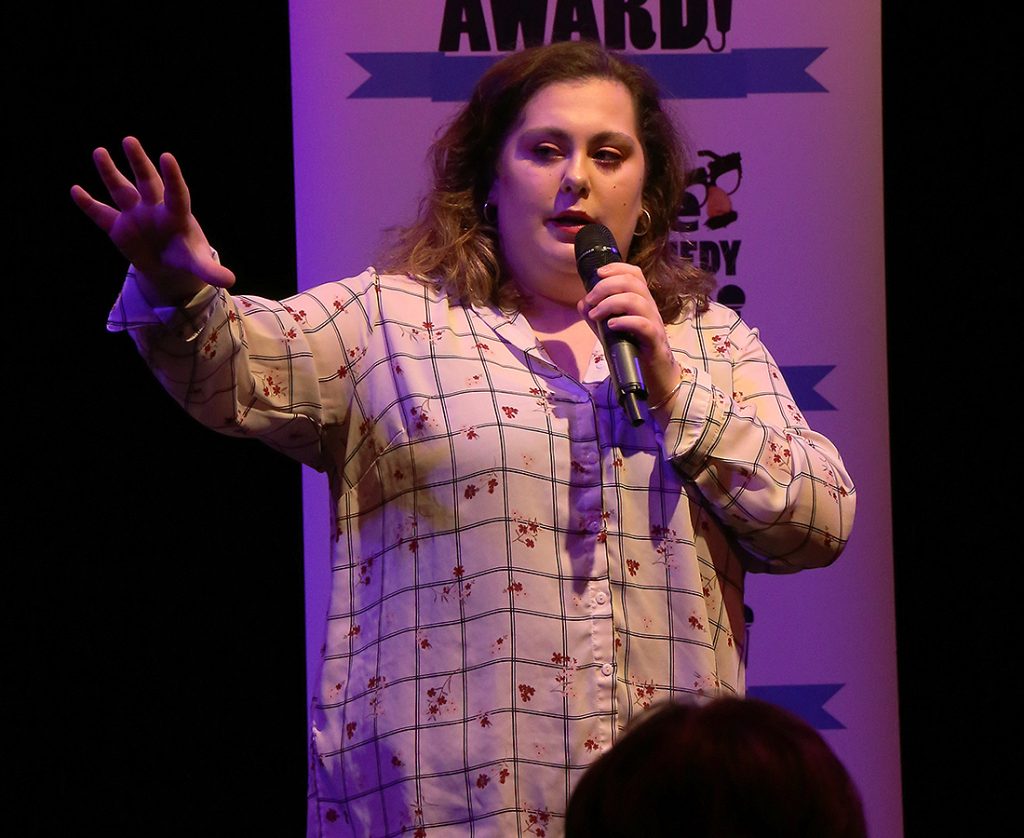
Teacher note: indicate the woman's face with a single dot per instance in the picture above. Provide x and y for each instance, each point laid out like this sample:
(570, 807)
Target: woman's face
(574, 157)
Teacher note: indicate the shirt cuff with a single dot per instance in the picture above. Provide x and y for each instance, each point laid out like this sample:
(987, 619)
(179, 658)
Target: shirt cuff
(685, 437)
(133, 311)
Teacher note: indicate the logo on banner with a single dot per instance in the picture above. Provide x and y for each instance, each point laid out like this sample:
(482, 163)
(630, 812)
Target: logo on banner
(710, 192)
(710, 197)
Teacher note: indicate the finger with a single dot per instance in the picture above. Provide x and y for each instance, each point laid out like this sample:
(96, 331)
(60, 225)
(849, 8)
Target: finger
(176, 195)
(612, 287)
(618, 282)
(147, 178)
(635, 324)
(213, 272)
(621, 268)
(622, 303)
(121, 190)
(220, 276)
(102, 216)
(647, 335)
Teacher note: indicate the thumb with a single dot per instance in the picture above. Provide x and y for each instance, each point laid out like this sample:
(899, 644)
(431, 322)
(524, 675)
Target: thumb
(210, 270)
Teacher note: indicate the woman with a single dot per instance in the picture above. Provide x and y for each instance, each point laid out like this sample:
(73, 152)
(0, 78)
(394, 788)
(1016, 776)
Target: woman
(517, 569)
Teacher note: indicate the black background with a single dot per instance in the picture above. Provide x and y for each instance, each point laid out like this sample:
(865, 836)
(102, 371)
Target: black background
(154, 590)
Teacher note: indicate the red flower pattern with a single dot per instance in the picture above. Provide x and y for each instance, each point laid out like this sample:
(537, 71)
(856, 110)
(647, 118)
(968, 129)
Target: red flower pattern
(643, 692)
(272, 386)
(564, 679)
(665, 538)
(298, 316)
(417, 819)
(537, 821)
(364, 571)
(458, 589)
(422, 420)
(428, 331)
(377, 683)
(438, 701)
(210, 346)
(526, 530)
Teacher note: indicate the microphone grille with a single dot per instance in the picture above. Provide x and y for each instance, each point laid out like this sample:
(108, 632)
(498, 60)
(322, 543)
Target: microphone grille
(595, 246)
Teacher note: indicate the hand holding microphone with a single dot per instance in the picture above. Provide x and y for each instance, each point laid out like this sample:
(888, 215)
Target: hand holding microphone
(620, 307)
(595, 248)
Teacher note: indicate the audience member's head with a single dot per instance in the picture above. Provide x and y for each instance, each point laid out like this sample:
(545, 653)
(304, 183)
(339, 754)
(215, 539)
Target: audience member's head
(733, 768)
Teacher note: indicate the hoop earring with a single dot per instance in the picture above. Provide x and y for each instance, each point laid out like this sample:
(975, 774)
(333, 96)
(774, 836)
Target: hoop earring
(647, 229)
(489, 213)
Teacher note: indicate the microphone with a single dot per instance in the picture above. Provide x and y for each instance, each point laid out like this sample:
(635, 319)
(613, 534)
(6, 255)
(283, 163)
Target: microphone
(595, 246)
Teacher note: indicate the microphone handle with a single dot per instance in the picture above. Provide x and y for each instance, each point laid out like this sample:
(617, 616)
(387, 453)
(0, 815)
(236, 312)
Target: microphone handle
(595, 247)
(623, 366)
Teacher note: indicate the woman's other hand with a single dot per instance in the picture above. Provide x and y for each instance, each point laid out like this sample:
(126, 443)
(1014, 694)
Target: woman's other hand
(151, 223)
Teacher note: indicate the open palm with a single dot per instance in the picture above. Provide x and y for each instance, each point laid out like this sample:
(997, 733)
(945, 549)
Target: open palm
(151, 223)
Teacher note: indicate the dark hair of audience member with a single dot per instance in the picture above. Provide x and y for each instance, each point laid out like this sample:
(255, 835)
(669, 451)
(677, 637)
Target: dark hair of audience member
(732, 768)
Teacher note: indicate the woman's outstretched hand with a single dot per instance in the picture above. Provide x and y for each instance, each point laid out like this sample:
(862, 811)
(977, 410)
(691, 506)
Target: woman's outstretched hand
(151, 223)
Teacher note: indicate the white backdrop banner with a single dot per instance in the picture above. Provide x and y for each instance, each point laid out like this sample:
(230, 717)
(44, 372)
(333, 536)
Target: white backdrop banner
(783, 104)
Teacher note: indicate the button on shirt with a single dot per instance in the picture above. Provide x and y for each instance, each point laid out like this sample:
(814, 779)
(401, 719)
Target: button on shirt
(517, 571)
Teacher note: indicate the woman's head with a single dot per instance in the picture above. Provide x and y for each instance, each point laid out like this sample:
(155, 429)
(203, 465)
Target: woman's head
(455, 241)
(573, 157)
(502, 93)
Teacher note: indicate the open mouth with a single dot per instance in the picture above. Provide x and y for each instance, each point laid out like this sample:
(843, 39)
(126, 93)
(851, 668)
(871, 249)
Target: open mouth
(566, 225)
(570, 220)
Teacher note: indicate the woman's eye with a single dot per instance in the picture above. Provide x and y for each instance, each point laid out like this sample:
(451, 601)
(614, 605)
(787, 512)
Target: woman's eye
(608, 155)
(546, 152)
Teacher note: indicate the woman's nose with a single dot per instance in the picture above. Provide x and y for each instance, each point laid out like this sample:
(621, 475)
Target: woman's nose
(575, 180)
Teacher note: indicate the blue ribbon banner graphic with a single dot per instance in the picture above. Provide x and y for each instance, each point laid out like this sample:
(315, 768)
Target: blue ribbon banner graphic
(804, 700)
(441, 77)
(802, 380)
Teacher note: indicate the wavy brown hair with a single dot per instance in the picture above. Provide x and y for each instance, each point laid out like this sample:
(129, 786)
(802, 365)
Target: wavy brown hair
(452, 245)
